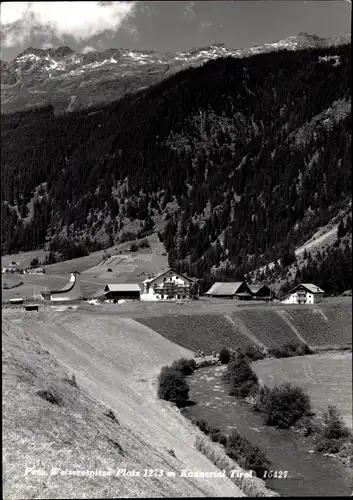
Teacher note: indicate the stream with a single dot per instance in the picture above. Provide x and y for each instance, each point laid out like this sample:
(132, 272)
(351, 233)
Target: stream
(309, 474)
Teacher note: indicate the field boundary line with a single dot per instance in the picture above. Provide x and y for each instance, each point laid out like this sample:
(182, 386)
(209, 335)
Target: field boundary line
(246, 330)
(284, 315)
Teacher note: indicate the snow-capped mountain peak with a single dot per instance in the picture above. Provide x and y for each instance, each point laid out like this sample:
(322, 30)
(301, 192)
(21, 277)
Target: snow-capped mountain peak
(37, 75)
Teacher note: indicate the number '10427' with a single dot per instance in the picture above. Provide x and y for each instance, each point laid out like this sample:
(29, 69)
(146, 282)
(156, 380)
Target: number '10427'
(275, 474)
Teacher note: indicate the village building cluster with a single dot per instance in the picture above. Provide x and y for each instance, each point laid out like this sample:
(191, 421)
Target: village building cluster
(170, 285)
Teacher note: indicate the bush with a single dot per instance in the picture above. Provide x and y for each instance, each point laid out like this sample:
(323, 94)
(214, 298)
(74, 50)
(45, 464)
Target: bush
(133, 247)
(328, 446)
(241, 372)
(289, 350)
(254, 353)
(304, 350)
(238, 355)
(334, 426)
(260, 398)
(215, 435)
(185, 366)
(242, 379)
(223, 439)
(224, 356)
(308, 425)
(285, 351)
(144, 243)
(203, 426)
(245, 389)
(34, 262)
(284, 405)
(256, 460)
(246, 455)
(172, 385)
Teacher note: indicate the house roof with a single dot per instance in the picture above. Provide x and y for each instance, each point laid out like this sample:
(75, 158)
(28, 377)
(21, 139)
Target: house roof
(220, 288)
(312, 288)
(256, 288)
(308, 286)
(123, 287)
(149, 280)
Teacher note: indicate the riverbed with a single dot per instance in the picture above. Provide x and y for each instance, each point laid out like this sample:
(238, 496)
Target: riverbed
(309, 474)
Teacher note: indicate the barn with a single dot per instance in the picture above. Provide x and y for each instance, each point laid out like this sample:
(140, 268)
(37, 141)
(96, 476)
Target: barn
(16, 301)
(233, 290)
(122, 291)
(32, 307)
(304, 293)
(261, 292)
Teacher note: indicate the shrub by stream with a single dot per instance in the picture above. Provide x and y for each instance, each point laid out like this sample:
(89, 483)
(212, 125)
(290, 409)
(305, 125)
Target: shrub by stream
(255, 353)
(285, 405)
(172, 384)
(281, 406)
(238, 448)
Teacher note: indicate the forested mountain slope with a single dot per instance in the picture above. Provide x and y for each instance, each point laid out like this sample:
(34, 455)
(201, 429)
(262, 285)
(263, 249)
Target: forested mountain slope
(255, 152)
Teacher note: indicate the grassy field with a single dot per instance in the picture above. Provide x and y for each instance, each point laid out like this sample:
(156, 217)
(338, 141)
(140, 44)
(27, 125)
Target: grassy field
(204, 325)
(205, 332)
(125, 267)
(115, 362)
(148, 260)
(23, 258)
(11, 281)
(267, 326)
(326, 377)
(323, 326)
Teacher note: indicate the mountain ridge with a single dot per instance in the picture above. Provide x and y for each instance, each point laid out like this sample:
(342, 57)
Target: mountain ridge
(55, 75)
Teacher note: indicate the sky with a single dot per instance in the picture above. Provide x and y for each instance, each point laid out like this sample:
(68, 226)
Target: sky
(165, 26)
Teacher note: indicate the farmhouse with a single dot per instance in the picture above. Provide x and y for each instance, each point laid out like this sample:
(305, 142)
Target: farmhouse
(167, 285)
(122, 291)
(72, 291)
(12, 270)
(304, 293)
(234, 290)
(261, 292)
(36, 270)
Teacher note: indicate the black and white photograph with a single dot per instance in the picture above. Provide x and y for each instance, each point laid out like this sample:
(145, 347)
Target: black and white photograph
(176, 249)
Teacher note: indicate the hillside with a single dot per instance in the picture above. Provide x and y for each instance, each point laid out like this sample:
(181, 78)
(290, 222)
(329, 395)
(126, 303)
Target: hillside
(251, 151)
(115, 363)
